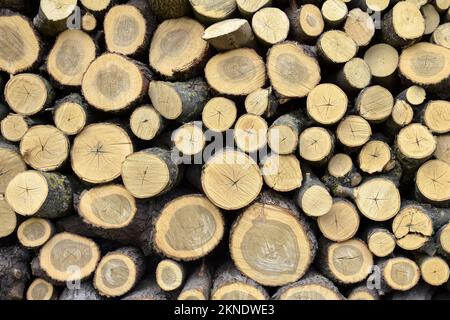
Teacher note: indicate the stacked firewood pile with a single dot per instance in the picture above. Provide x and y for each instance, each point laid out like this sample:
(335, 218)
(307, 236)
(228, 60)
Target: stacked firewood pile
(224, 149)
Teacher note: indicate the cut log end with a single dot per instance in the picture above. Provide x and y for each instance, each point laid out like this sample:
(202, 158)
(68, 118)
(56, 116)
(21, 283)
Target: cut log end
(219, 114)
(8, 219)
(374, 156)
(336, 46)
(436, 116)
(282, 172)
(354, 131)
(40, 289)
(70, 115)
(326, 104)
(13, 127)
(250, 133)
(249, 7)
(375, 103)
(341, 223)
(360, 27)
(401, 274)
(189, 139)
(334, 12)
(34, 232)
(431, 182)
(316, 145)
(146, 123)
(271, 26)
(381, 242)
(170, 275)
(434, 270)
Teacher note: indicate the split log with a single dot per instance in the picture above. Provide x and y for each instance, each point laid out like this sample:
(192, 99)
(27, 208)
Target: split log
(21, 46)
(71, 114)
(341, 171)
(440, 37)
(360, 27)
(283, 134)
(169, 9)
(11, 164)
(381, 241)
(316, 145)
(336, 47)
(70, 57)
(443, 148)
(41, 290)
(98, 152)
(282, 173)
(326, 104)
(375, 157)
(431, 183)
(374, 103)
(230, 284)
(275, 222)
(248, 8)
(213, 11)
(181, 101)
(177, 50)
(129, 27)
(436, 116)
(219, 114)
(341, 223)
(334, 12)
(85, 291)
(434, 270)
(230, 34)
(306, 22)
(354, 76)
(146, 123)
(28, 93)
(114, 83)
(271, 26)
(170, 275)
(52, 16)
(119, 271)
(35, 232)
(13, 272)
(292, 69)
(8, 219)
(198, 285)
(40, 194)
(383, 62)
(147, 290)
(398, 273)
(250, 133)
(363, 293)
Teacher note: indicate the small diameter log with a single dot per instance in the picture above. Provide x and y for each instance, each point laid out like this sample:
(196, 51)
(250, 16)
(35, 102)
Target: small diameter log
(432, 183)
(383, 62)
(250, 133)
(312, 287)
(13, 272)
(306, 22)
(113, 82)
(282, 173)
(441, 5)
(13, 127)
(271, 26)
(262, 102)
(40, 194)
(98, 152)
(41, 290)
(85, 291)
(146, 123)
(188, 228)
(334, 12)
(44, 147)
(8, 219)
(377, 199)
(177, 50)
(236, 73)
(341, 223)
(399, 273)
(28, 93)
(34, 232)
(21, 47)
(434, 270)
(402, 115)
(381, 241)
(414, 145)
(283, 134)
(150, 172)
(440, 35)
(181, 101)
(346, 262)
(375, 157)
(97, 7)
(11, 164)
(292, 69)
(129, 27)
(431, 17)
(341, 171)
(230, 284)
(360, 27)
(213, 10)
(442, 240)
(147, 290)
(414, 95)
(119, 271)
(188, 140)
(70, 57)
(52, 16)
(353, 132)
(70, 257)
(403, 24)
(230, 34)
(316, 145)
(443, 148)
(436, 116)
(169, 9)
(424, 64)
(231, 179)
(170, 275)
(354, 76)
(88, 22)
(219, 114)
(71, 114)
(313, 197)
(326, 104)
(249, 7)
(198, 285)
(363, 293)
(374, 103)
(336, 47)
(373, 5)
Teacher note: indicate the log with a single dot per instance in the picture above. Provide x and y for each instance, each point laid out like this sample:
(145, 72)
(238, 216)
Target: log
(434, 270)
(271, 26)
(336, 47)
(119, 271)
(334, 13)
(430, 183)
(414, 95)
(40, 194)
(262, 102)
(436, 116)
(443, 148)
(316, 145)
(88, 22)
(35, 232)
(363, 293)
(52, 16)
(169, 9)
(442, 240)
(439, 35)
(374, 104)
(380, 241)
(71, 114)
(230, 34)
(97, 7)
(383, 60)
(282, 173)
(11, 164)
(360, 27)
(85, 291)
(213, 11)
(326, 104)
(399, 273)
(219, 114)
(431, 17)
(170, 275)
(341, 171)
(375, 157)
(41, 290)
(374, 5)
(402, 115)
(283, 134)
(354, 76)
(8, 219)
(248, 8)
(293, 245)
(198, 284)
(13, 272)
(146, 123)
(341, 223)
(250, 133)
(306, 22)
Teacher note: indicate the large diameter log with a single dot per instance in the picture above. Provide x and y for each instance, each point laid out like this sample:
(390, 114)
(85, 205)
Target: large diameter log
(177, 50)
(276, 223)
(341, 223)
(355, 75)
(11, 164)
(40, 194)
(250, 133)
(98, 152)
(8, 219)
(306, 22)
(432, 183)
(169, 9)
(41, 290)
(70, 57)
(20, 44)
(85, 291)
(53, 15)
(230, 34)
(13, 272)
(334, 12)
(311, 287)
(230, 284)
(374, 103)
(188, 228)
(198, 284)
(292, 69)
(170, 275)
(113, 82)
(34, 232)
